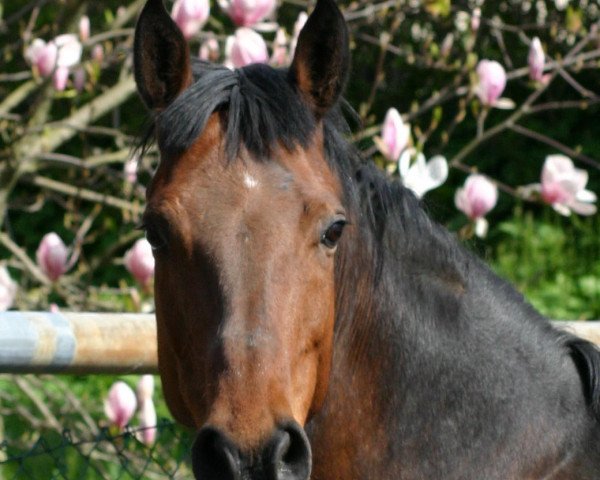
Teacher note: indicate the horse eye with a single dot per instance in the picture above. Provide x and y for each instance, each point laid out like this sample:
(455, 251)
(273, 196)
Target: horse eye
(156, 237)
(332, 235)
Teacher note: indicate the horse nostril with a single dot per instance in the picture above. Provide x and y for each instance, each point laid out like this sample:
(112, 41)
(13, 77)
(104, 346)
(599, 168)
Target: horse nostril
(288, 455)
(214, 457)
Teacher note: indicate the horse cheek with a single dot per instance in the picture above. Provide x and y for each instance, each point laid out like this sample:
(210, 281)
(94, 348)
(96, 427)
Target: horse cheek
(168, 335)
(324, 351)
(169, 375)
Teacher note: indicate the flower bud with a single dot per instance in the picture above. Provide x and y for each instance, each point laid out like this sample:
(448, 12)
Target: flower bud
(536, 60)
(130, 169)
(145, 388)
(246, 13)
(52, 256)
(139, 261)
(120, 404)
(492, 80)
(147, 418)
(477, 197)
(394, 135)
(246, 47)
(84, 28)
(190, 15)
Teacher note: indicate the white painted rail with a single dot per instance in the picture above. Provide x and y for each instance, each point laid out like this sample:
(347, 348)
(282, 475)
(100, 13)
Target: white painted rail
(68, 342)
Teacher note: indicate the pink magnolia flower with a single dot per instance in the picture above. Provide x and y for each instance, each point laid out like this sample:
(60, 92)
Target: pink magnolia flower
(120, 404)
(536, 60)
(147, 418)
(245, 47)
(394, 135)
(246, 13)
(84, 28)
(190, 15)
(145, 388)
(8, 289)
(42, 56)
(56, 56)
(422, 176)
(140, 261)
(52, 256)
(563, 187)
(492, 80)
(476, 199)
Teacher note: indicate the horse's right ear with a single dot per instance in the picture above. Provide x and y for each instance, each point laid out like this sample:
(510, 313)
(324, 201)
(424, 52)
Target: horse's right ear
(161, 57)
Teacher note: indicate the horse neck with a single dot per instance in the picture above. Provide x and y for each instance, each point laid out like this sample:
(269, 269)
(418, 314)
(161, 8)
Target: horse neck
(389, 260)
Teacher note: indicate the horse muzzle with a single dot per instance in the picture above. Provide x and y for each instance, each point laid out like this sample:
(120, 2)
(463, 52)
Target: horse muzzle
(285, 456)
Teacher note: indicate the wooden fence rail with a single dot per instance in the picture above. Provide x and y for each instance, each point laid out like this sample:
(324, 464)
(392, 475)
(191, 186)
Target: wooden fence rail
(39, 342)
(68, 342)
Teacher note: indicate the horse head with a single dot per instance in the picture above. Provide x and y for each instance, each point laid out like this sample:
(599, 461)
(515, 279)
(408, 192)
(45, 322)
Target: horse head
(244, 215)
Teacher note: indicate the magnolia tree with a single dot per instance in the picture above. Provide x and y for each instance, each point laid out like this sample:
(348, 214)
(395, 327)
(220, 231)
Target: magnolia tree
(465, 103)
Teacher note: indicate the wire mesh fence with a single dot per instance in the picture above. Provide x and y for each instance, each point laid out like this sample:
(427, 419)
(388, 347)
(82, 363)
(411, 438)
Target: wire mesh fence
(55, 428)
(103, 456)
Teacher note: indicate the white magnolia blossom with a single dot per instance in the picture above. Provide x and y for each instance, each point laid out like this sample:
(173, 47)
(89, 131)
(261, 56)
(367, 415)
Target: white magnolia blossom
(422, 176)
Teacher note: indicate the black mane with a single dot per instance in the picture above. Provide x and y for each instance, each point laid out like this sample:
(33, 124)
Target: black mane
(258, 104)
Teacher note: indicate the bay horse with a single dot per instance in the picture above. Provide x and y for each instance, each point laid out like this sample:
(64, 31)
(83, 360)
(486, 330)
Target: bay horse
(313, 321)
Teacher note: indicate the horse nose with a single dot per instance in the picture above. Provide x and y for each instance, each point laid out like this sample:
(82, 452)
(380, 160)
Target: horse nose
(288, 455)
(215, 457)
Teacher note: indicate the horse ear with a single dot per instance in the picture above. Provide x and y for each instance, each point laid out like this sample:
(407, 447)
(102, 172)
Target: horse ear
(322, 57)
(161, 57)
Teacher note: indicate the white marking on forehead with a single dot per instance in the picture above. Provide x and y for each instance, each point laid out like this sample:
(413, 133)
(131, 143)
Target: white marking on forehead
(250, 181)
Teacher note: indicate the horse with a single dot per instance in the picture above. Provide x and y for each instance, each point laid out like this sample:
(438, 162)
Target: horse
(313, 321)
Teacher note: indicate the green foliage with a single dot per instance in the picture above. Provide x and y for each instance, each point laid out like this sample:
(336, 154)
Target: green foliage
(552, 261)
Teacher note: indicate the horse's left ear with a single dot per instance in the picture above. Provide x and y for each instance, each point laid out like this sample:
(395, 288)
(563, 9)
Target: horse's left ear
(161, 57)
(322, 57)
